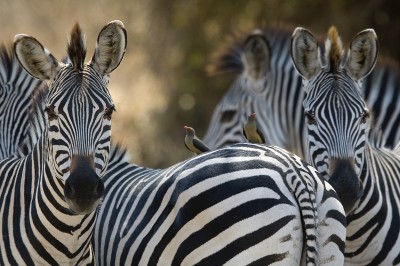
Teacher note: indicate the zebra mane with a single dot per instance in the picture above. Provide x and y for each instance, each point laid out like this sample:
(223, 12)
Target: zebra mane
(118, 152)
(334, 49)
(7, 57)
(77, 47)
(36, 121)
(227, 57)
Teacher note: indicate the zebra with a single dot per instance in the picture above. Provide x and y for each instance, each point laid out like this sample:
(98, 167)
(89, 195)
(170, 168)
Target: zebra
(301, 195)
(365, 177)
(269, 85)
(48, 198)
(298, 196)
(241, 205)
(16, 88)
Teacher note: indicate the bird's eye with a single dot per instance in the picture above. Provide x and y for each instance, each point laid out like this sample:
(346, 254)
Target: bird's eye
(364, 116)
(51, 113)
(310, 117)
(108, 112)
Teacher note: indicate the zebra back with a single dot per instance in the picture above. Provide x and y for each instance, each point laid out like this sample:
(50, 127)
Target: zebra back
(230, 206)
(16, 87)
(277, 96)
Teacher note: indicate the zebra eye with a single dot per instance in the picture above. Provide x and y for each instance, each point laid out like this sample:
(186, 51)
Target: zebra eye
(364, 116)
(51, 113)
(108, 112)
(227, 116)
(310, 117)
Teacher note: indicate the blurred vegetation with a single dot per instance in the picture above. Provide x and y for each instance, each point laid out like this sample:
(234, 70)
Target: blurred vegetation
(162, 85)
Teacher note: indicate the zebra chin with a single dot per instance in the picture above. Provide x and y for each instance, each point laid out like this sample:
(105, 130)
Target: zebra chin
(83, 198)
(346, 182)
(82, 207)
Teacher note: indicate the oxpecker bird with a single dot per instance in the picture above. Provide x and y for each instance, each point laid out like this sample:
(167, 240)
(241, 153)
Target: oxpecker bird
(251, 132)
(193, 143)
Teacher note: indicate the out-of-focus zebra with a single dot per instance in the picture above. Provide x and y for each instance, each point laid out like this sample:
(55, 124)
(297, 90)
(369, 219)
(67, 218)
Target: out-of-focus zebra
(48, 197)
(16, 87)
(268, 85)
(366, 178)
(242, 205)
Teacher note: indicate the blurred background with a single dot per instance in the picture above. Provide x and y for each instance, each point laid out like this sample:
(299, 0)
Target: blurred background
(162, 84)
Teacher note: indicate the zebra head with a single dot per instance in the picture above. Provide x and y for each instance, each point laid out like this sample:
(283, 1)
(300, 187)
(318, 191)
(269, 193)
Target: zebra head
(245, 96)
(337, 116)
(79, 109)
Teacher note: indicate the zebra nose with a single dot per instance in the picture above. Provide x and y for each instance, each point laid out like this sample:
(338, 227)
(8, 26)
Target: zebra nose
(99, 189)
(83, 188)
(345, 181)
(73, 190)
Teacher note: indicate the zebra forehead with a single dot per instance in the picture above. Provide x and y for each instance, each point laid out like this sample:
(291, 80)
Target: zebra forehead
(77, 47)
(334, 49)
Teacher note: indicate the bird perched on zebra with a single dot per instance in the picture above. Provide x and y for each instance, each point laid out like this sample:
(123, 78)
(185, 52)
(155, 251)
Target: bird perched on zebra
(251, 132)
(338, 120)
(193, 143)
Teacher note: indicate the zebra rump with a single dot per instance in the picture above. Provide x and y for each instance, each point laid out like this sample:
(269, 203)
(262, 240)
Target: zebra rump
(246, 204)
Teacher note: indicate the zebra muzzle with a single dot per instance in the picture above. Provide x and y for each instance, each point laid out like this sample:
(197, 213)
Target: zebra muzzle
(346, 183)
(83, 188)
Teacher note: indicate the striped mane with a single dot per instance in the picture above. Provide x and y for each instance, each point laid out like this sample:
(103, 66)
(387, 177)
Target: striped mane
(77, 47)
(334, 49)
(227, 57)
(7, 56)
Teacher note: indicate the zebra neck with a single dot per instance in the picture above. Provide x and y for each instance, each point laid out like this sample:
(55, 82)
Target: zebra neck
(52, 221)
(373, 225)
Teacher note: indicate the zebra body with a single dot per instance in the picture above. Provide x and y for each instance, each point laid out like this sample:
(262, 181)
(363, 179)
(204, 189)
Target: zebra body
(231, 206)
(275, 93)
(48, 197)
(16, 87)
(365, 177)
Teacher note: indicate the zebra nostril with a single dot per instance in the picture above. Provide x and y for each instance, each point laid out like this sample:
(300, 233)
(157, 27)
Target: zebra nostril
(99, 189)
(68, 189)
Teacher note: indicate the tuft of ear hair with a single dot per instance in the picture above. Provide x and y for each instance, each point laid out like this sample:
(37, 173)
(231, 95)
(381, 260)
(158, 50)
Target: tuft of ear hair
(110, 48)
(363, 53)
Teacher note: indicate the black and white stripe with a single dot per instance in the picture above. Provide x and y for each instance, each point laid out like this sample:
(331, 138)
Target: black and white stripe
(276, 95)
(365, 177)
(16, 87)
(48, 197)
(246, 204)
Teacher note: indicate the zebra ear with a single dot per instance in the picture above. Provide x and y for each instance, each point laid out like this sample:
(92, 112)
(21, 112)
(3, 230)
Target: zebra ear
(363, 53)
(34, 58)
(256, 56)
(110, 48)
(304, 50)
